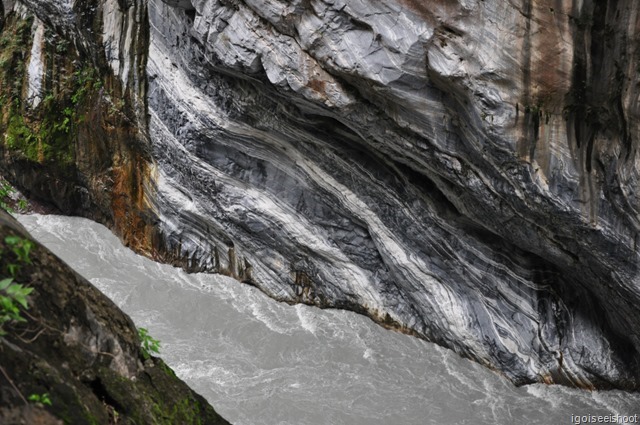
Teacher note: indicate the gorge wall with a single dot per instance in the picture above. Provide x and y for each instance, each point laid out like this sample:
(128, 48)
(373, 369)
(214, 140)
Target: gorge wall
(77, 347)
(464, 171)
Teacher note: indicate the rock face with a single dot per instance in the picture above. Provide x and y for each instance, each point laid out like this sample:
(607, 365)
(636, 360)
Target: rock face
(73, 106)
(79, 348)
(465, 171)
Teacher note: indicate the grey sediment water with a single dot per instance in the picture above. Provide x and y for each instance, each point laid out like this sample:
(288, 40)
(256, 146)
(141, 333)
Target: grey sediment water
(258, 361)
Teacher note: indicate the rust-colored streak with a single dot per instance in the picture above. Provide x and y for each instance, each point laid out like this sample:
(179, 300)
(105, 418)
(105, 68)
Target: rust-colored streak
(434, 10)
(127, 204)
(109, 153)
(317, 85)
(547, 54)
(551, 55)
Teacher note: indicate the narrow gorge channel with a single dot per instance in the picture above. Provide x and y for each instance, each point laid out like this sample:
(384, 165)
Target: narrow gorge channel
(464, 171)
(263, 362)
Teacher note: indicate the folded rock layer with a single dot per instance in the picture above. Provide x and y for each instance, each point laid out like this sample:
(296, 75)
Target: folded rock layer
(465, 171)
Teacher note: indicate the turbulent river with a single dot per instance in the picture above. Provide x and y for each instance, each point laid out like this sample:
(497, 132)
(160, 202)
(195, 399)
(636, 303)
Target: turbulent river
(262, 362)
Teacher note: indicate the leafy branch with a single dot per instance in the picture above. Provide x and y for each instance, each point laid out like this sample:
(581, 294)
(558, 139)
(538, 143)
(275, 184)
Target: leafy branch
(148, 344)
(14, 295)
(6, 201)
(40, 398)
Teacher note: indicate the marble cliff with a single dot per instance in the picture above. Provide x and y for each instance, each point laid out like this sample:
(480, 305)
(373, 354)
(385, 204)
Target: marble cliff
(465, 171)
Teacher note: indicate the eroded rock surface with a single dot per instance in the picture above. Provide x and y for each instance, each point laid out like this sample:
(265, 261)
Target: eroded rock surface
(462, 170)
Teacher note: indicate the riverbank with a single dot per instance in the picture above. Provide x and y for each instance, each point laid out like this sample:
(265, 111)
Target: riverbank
(70, 355)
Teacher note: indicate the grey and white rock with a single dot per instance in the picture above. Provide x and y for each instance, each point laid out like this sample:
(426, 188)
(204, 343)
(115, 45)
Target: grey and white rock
(464, 170)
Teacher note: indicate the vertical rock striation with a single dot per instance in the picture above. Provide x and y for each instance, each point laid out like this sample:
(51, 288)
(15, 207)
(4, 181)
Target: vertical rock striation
(464, 171)
(73, 90)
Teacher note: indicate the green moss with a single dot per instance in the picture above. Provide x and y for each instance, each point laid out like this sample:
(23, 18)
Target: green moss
(20, 137)
(167, 370)
(51, 141)
(185, 411)
(14, 44)
(155, 396)
(48, 133)
(57, 134)
(86, 81)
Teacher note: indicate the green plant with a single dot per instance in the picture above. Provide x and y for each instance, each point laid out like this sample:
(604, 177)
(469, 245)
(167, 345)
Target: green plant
(85, 80)
(48, 99)
(22, 204)
(21, 247)
(148, 344)
(5, 190)
(19, 136)
(40, 398)
(78, 95)
(12, 296)
(5, 40)
(62, 46)
(64, 125)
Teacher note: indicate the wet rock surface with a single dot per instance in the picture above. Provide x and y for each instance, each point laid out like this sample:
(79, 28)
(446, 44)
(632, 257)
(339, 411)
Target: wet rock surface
(431, 165)
(463, 171)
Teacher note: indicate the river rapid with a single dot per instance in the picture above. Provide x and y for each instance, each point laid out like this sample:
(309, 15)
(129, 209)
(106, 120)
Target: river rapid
(258, 361)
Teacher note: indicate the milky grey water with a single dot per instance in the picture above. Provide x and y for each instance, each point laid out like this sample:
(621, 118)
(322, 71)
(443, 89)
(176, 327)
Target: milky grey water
(262, 362)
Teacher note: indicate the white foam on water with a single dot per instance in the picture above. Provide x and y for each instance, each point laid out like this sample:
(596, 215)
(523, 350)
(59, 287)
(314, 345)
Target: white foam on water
(306, 319)
(608, 402)
(112, 289)
(263, 362)
(204, 370)
(540, 391)
(368, 355)
(265, 315)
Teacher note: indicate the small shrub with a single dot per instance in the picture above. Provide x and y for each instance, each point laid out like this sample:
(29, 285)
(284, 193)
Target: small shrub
(21, 247)
(12, 296)
(5, 190)
(148, 344)
(41, 398)
(22, 205)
